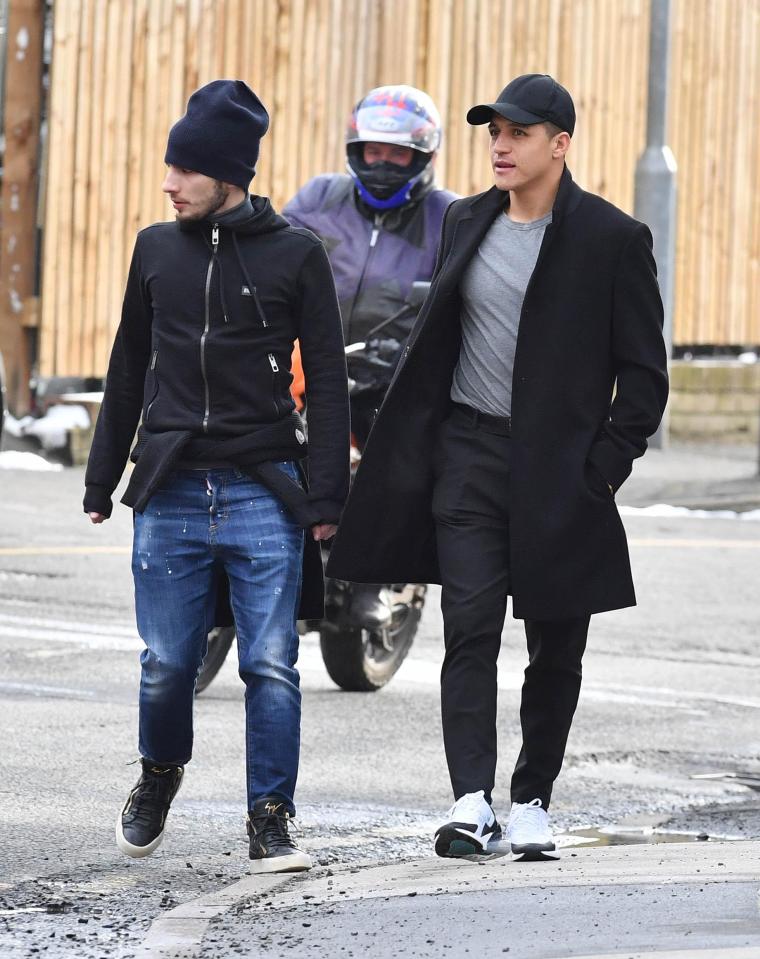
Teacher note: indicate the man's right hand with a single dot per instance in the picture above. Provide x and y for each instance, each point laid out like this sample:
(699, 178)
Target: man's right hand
(97, 517)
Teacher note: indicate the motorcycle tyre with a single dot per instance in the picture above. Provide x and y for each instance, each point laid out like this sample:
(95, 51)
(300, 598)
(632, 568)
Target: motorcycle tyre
(344, 651)
(219, 640)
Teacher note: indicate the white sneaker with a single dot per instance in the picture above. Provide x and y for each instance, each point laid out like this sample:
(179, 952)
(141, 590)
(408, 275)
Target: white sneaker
(471, 826)
(529, 834)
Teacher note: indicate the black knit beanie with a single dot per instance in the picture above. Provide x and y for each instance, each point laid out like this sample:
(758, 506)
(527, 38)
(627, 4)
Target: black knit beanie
(220, 132)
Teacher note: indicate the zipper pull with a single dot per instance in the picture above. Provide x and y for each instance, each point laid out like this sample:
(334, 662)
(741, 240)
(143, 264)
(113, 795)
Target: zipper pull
(215, 236)
(373, 238)
(273, 363)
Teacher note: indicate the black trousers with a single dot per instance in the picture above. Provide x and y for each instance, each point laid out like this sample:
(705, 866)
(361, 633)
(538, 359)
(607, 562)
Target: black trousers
(471, 511)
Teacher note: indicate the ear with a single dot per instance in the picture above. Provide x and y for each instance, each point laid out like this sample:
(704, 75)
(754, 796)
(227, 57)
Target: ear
(560, 145)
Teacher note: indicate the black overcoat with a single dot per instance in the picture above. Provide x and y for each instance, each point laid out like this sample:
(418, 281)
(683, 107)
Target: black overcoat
(589, 386)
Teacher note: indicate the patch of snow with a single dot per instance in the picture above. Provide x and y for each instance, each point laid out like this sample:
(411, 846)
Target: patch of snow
(16, 460)
(52, 428)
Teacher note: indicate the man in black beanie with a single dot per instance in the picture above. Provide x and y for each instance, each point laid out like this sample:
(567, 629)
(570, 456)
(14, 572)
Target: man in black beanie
(213, 304)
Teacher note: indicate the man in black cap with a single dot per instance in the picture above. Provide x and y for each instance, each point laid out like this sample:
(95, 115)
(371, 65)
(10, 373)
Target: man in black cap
(531, 381)
(213, 304)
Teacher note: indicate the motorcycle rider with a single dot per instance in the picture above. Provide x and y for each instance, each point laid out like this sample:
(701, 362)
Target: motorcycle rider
(380, 224)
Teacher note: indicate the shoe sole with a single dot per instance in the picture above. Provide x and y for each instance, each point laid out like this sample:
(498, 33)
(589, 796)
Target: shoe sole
(139, 852)
(452, 844)
(135, 852)
(298, 862)
(535, 852)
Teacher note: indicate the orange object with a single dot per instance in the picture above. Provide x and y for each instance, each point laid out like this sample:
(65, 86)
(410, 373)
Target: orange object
(298, 386)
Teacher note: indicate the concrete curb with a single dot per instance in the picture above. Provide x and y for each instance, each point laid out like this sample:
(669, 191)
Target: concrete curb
(178, 934)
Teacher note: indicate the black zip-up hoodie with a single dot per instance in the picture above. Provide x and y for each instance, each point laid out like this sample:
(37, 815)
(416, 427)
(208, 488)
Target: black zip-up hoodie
(203, 350)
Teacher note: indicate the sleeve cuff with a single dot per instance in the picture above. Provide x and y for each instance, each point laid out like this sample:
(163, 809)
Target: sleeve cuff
(614, 468)
(327, 510)
(97, 500)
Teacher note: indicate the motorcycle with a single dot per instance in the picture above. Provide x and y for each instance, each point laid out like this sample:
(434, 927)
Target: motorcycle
(356, 658)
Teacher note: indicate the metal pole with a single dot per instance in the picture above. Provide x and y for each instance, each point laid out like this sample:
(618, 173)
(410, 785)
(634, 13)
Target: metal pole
(655, 186)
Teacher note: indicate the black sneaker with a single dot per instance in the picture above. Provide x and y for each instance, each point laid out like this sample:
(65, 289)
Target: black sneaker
(471, 828)
(270, 846)
(140, 824)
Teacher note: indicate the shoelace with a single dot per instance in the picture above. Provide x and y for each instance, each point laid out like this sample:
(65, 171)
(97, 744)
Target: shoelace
(531, 812)
(468, 808)
(149, 797)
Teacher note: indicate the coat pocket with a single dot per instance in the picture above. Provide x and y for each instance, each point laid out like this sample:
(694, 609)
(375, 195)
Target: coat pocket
(596, 483)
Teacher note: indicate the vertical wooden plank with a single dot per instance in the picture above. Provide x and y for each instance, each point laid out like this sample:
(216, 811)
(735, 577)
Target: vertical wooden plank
(682, 67)
(437, 81)
(77, 348)
(247, 19)
(307, 76)
(233, 40)
(91, 175)
(138, 101)
(279, 145)
(735, 215)
(119, 78)
(264, 70)
(338, 94)
(207, 41)
(18, 199)
(65, 157)
(751, 276)
(108, 100)
(192, 41)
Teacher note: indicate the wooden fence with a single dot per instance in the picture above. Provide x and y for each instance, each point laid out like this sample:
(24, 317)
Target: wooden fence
(123, 69)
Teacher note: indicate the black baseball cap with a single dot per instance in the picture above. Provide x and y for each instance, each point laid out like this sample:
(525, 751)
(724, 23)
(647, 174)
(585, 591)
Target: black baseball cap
(531, 98)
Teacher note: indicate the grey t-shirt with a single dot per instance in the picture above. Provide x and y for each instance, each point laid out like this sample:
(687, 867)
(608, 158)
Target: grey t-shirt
(492, 291)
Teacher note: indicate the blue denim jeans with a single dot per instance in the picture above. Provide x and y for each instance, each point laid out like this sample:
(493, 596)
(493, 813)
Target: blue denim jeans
(199, 523)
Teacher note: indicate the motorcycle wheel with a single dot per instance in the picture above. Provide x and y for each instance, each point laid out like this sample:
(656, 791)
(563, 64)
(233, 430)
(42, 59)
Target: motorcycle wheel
(360, 660)
(219, 641)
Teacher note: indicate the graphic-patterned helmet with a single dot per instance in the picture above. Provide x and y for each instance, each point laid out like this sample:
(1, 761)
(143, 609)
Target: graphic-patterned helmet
(396, 114)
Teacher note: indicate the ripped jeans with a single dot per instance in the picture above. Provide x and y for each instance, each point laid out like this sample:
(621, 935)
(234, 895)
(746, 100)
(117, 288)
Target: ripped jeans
(199, 523)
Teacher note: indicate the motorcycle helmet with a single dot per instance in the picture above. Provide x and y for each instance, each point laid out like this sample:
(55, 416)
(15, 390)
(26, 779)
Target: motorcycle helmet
(403, 116)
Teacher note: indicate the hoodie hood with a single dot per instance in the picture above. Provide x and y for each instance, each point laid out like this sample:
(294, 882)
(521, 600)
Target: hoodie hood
(254, 215)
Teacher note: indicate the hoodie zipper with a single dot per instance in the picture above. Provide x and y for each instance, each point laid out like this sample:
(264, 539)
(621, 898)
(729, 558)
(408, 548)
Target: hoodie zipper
(209, 272)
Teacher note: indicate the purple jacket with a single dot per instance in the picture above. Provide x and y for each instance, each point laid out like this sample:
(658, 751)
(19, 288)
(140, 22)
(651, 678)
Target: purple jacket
(375, 262)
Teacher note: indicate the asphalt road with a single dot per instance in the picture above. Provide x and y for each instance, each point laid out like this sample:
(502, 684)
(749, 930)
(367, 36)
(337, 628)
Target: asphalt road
(670, 692)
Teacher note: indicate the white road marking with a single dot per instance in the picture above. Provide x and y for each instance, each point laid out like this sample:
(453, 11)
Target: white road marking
(75, 638)
(117, 629)
(65, 551)
(37, 690)
(120, 637)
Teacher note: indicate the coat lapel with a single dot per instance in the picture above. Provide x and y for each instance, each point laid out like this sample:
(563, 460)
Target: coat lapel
(469, 230)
